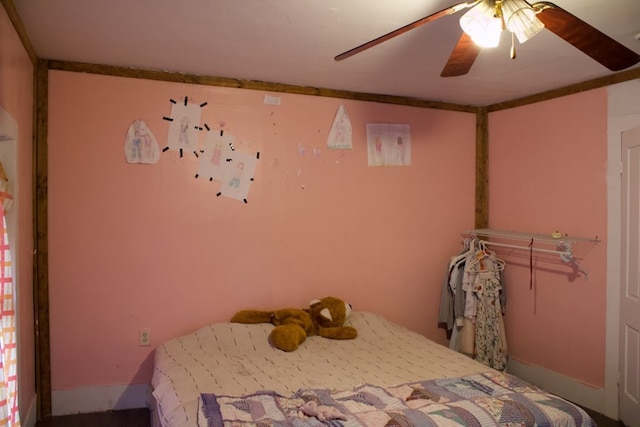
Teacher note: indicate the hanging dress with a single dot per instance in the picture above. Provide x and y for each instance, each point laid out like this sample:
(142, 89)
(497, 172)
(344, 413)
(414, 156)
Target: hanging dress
(489, 332)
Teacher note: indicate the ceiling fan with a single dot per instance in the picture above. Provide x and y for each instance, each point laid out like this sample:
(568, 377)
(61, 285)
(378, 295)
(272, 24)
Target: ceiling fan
(485, 20)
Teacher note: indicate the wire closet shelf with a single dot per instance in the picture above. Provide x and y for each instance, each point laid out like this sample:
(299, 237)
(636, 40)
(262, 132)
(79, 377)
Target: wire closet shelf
(569, 249)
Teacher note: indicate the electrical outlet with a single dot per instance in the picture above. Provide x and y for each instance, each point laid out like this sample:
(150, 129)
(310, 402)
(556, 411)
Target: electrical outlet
(144, 337)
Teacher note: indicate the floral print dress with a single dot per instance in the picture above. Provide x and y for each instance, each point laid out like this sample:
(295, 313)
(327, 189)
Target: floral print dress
(489, 334)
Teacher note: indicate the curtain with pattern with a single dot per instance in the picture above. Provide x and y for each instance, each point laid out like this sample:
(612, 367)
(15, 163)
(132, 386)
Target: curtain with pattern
(9, 414)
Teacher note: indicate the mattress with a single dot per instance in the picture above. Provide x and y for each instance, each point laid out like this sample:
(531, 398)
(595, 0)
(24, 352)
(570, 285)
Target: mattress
(236, 359)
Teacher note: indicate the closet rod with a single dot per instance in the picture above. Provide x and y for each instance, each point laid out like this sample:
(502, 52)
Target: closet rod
(506, 245)
(566, 255)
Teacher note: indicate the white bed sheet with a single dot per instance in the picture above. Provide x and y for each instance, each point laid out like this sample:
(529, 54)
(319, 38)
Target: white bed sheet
(236, 359)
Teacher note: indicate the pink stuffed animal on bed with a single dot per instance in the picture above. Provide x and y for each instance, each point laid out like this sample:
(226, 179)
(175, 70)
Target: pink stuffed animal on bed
(321, 412)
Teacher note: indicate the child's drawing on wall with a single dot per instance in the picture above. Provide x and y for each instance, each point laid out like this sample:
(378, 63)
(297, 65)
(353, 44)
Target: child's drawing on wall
(216, 156)
(238, 175)
(215, 152)
(378, 153)
(340, 133)
(183, 129)
(140, 145)
(399, 150)
(183, 134)
(388, 144)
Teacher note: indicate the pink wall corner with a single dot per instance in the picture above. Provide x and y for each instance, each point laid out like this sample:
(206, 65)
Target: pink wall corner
(16, 98)
(548, 172)
(151, 246)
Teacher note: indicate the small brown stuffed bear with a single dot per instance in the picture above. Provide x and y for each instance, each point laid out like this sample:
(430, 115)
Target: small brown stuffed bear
(324, 317)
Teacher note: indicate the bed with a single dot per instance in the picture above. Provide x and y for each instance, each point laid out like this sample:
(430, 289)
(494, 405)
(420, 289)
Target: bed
(228, 374)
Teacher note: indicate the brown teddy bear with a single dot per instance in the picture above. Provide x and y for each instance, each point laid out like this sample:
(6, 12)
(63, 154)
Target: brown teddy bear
(324, 317)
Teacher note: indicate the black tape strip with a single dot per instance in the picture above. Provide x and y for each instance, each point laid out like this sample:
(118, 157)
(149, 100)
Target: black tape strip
(173, 101)
(195, 153)
(229, 160)
(258, 155)
(218, 194)
(203, 104)
(245, 200)
(181, 153)
(186, 98)
(165, 149)
(211, 179)
(206, 126)
(221, 132)
(169, 119)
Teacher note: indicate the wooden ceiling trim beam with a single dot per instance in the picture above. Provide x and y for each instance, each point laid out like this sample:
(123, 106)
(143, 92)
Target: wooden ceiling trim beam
(253, 84)
(10, 8)
(599, 82)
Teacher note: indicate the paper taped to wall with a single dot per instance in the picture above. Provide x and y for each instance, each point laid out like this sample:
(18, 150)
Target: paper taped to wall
(340, 135)
(140, 144)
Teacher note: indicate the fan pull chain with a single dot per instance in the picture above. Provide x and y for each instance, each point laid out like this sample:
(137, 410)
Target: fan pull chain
(513, 46)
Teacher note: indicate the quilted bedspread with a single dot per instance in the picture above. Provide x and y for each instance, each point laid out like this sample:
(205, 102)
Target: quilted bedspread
(486, 399)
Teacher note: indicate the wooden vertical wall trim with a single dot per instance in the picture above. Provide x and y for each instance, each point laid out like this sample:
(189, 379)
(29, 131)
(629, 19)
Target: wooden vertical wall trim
(41, 261)
(482, 168)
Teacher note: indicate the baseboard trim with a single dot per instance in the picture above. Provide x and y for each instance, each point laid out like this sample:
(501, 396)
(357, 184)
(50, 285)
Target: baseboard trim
(561, 385)
(84, 400)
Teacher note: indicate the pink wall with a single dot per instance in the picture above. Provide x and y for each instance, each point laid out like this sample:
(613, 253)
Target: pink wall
(16, 98)
(548, 172)
(150, 246)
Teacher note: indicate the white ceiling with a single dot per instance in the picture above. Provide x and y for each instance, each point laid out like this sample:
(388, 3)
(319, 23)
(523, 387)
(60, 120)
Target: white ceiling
(294, 42)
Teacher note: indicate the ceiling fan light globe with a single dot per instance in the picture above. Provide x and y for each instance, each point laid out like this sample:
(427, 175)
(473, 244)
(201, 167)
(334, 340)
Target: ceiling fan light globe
(524, 33)
(491, 36)
(521, 19)
(481, 25)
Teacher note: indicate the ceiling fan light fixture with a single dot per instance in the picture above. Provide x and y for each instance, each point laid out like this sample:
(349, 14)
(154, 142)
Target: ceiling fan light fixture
(520, 19)
(481, 24)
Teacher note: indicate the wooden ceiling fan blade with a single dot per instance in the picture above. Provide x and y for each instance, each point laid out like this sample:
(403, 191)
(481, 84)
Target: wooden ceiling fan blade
(448, 11)
(586, 38)
(462, 57)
